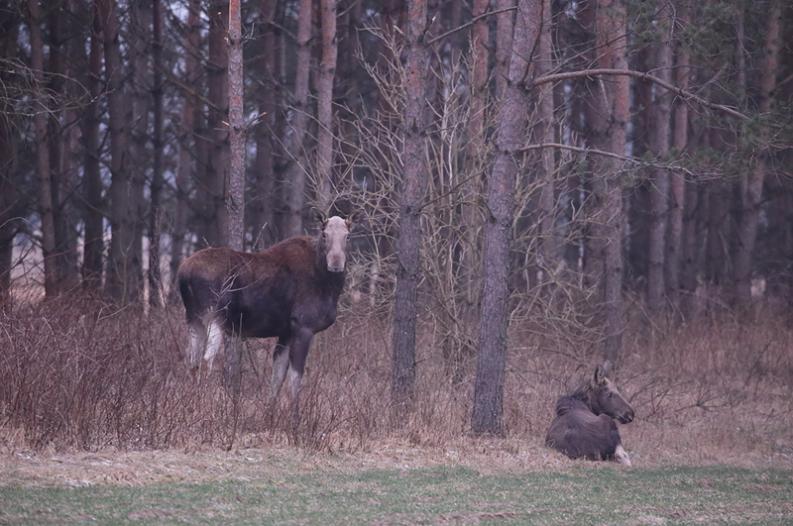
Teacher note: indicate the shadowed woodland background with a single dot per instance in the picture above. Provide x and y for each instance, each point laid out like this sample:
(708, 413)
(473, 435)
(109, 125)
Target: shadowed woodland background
(536, 185)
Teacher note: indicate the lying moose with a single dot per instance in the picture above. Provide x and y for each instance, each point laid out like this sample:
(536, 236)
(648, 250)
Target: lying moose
(584, 425)
(288, 291)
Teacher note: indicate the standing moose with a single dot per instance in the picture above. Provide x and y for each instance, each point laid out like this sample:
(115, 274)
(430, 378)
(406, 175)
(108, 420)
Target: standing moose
(288, 291)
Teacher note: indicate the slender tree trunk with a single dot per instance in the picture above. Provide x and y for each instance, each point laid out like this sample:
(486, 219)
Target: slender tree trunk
(638, 205)
(155, 280)
(235, 199)
(512, 127)
(9, 198)
(139, 35)
(190, 158)
(504, 23)
(261, 202)
(606, 117)
(752, 187)
(58, 137)
(659, 143)
(218, 131)
(94, 245)
(118, 264)
(295, 180)
(327, 74)
(677, 183)
(43, 173)
(414, 185)
(477, 159)
(546, 133)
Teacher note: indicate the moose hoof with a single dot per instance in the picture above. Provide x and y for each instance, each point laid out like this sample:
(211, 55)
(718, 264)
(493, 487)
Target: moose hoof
(621, 456)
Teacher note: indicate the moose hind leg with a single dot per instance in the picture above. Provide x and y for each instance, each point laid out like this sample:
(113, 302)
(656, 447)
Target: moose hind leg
(198, 341)
(214, 342)
(280, 364)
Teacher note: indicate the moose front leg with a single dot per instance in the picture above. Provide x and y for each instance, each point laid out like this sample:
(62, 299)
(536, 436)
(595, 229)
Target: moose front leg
(298, 351)
(280, 364)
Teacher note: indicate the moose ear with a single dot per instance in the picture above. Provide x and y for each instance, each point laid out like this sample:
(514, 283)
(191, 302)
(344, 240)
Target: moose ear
(320, 217)
(349, 222)
(600, 375)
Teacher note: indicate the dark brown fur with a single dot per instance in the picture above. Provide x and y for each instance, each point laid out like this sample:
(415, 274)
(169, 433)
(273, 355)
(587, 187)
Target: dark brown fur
(584, 425)
(279, 292)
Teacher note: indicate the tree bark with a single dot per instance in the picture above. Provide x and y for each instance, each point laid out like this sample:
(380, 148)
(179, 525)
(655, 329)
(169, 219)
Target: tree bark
(262, 199)
(119, 266)
(659, 144)
(327, 74)
(94, 245)
(235, 198)
(414, 186)
(155, 280)
(511, 129)
(218, 131)
(43, 173)
(58, 139)
(549, 243)
(295, 179)
(9, 197)
(189, 164)
(139, 34)
(677, 183)
(504, 27)
(752, 185)
(606, 117)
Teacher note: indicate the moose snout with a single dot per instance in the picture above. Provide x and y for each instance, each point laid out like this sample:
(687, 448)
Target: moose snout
(627, 417)
(336, 264)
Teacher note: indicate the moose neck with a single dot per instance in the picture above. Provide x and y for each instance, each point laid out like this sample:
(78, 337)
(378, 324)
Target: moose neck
(585, 394)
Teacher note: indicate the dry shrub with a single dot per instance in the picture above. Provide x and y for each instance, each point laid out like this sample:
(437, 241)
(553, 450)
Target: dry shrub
(85, 376)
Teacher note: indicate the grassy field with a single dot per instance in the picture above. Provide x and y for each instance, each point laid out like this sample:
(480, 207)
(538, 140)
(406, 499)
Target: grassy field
(581, 493)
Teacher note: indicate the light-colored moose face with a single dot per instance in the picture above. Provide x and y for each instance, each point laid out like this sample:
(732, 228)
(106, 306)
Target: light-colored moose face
(334, 236)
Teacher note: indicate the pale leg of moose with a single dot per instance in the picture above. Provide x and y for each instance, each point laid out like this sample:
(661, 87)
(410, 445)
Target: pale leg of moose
(198, 335)
(214, 343)
(280, 364)
(621, 456)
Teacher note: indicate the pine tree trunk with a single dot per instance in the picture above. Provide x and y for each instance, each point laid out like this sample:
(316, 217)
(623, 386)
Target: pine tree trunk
(139, 34)
(155, 280)
(261, 217)
(414, 184)
(659, 144)
(295, 179)
(218, 131)
(58, 137)
(94, 245)
(512, 127)
(43, 173)
(327, 74)
(504, 28)
(752, 187)
(606, 117)
(9, 197)
(235, 198)
(189, 145)
(546, 132)
(119, 266)
(677, 183)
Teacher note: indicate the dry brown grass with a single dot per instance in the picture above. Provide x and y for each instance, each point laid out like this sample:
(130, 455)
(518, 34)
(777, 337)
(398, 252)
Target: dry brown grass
(84, 381)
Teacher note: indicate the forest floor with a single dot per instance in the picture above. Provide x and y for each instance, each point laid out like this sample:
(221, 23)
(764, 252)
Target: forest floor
(481, 482)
